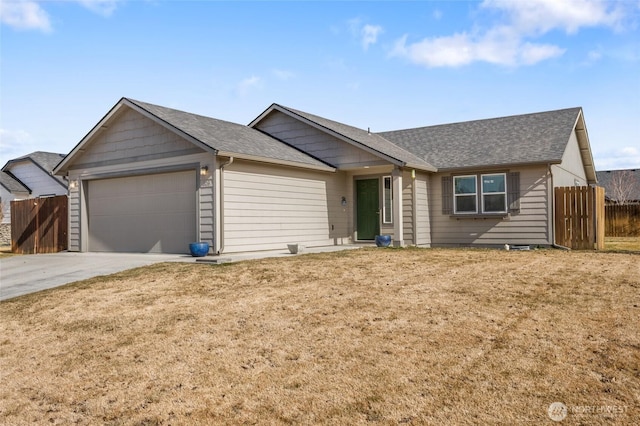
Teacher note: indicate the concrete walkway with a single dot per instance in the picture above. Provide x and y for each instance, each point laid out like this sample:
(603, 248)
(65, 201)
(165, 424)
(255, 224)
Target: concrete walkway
(24, 274)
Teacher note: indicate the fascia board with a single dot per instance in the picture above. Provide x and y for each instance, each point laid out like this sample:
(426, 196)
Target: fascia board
(498, 166)
(584, 145)
(275, 161)
(60, 169)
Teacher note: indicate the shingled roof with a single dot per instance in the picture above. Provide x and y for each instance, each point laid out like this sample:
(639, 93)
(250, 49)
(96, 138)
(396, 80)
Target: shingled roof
(11, 183)
(520, 139)
(628, 182)
(46, 161)
(229, 138)
(363, 138)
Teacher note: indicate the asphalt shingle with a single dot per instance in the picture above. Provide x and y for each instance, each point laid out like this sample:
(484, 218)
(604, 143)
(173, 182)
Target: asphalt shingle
(12, 184)
(228, 137)
(47, 161)
(628, 181)
(530, 138)
(372, 140)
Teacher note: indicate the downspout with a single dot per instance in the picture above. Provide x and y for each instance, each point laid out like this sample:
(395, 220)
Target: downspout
(553, 214)
(222, 167)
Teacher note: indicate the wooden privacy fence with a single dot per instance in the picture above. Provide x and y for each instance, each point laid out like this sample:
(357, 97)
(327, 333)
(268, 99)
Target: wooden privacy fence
(579, 217)
(39, 225)
(622, 220)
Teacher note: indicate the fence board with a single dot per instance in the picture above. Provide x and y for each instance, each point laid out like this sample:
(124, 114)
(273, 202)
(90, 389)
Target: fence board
(622, 220)
(39, 225)
(579, 217)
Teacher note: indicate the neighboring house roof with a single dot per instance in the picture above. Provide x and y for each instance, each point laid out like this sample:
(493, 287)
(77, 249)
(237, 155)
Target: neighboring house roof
(521, 139)
(361, 138)
(11, 184)
(629, 182)
(46, 161)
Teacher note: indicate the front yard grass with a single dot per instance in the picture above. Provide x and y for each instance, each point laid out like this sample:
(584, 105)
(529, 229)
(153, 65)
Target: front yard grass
(405, 336)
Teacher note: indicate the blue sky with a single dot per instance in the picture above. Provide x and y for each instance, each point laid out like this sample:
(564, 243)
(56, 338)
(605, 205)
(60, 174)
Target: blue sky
(382, 65)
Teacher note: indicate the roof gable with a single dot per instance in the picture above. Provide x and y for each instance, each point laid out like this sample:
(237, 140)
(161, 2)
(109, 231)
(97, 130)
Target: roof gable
(45, 161)
(362, 139)
(218, 136)
(521, 139)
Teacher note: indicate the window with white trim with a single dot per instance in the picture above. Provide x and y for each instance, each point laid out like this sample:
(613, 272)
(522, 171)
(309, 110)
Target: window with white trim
(494, 193)
(387, 196)
(465, 198)
(481, 194)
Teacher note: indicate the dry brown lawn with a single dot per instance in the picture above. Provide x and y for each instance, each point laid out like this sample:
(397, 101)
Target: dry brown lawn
(386, 336)
(630, 244)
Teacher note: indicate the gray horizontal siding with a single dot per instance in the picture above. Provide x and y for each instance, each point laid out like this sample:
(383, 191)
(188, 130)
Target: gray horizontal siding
(130, 138)
(530, 226)
(423, 220)
(74, 219)
(315, 142)
(36, 179)
(269, 207)
(407, 208)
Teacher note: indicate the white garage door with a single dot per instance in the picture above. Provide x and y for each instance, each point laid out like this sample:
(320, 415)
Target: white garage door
(143, 214)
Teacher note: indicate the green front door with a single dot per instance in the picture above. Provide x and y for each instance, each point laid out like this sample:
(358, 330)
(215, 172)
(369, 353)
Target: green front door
(368, 208)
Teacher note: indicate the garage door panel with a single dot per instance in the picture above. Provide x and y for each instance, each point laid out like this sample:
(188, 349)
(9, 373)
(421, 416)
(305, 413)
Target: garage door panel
(150, 213)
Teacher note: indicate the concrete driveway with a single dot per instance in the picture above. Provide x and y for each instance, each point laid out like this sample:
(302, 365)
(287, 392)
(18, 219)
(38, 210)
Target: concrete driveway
(34, 272)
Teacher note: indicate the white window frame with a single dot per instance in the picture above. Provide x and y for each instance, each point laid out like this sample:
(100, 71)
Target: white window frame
(455, 195)
(482, 193)
(386, 211)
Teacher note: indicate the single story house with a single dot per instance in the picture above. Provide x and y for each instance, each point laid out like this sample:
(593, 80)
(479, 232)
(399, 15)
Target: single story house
(30, 176)
(152, 179)
(620, 186)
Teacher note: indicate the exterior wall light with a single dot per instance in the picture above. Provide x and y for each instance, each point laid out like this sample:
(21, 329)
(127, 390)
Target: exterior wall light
(204, 170)
(73, 184)
(343, 202)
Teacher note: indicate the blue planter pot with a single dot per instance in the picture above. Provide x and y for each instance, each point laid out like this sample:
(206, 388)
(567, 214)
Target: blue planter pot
(383, 240)
(199, 249)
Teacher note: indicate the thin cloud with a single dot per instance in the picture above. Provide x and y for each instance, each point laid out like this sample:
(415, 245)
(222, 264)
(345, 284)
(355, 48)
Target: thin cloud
(283, 75)
(248, 84)
(622, 158)
(24, 15)
(30, 15)
(101, 7)
(463, 49)
(14, 143)
(512, 43)
(542, 16)
(367, 34)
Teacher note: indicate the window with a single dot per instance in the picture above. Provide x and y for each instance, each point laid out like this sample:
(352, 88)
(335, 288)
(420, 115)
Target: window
(387, 207)
(464, 194)
(474, 194)
(494, 193)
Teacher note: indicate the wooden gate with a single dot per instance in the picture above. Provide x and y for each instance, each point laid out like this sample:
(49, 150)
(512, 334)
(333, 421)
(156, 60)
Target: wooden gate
(39, 225)
(579, 217)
